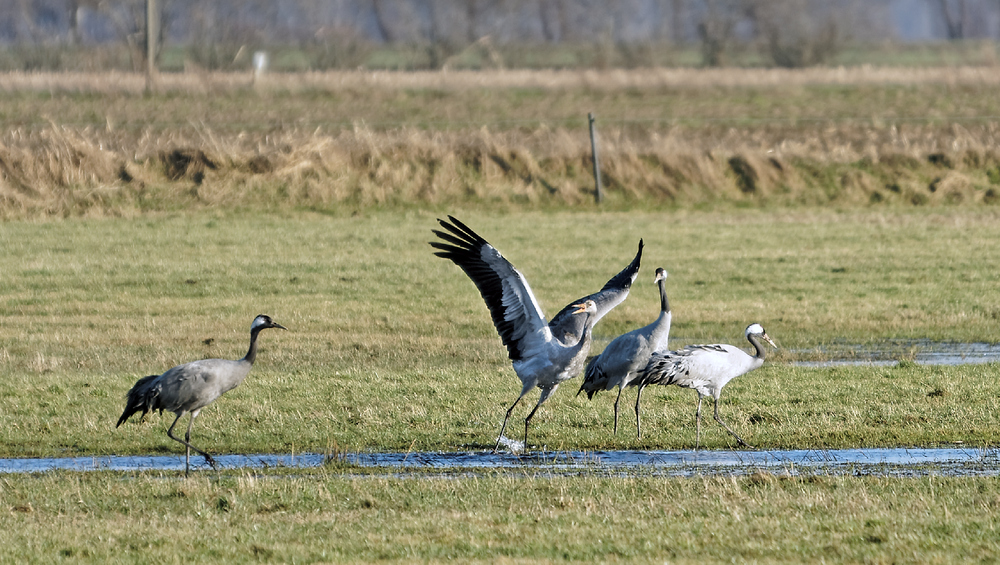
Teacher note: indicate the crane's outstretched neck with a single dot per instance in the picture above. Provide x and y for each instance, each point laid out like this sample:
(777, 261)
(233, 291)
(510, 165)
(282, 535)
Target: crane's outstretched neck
(660, 333)
(754, 334)
(252, 352)
(261, 322)
(664, 303)
(588, 334)
(754, 340)
(580, 350)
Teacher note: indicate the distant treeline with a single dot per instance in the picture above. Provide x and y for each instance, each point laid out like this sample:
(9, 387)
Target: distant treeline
(325, 34)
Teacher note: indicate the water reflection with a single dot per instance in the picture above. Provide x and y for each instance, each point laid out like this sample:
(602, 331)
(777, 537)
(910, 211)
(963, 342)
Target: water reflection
(958, 461)
(921, 352)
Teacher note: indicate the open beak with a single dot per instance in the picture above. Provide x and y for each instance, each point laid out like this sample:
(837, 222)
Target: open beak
(582, 307)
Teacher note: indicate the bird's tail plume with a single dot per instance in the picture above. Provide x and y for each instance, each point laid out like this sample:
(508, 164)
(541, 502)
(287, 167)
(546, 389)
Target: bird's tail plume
(140, 397)
(594, 379)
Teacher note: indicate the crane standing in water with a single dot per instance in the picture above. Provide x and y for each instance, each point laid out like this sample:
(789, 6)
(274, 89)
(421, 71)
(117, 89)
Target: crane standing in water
(706, 369)
(544, 354)
(626, 356)
(193, 386)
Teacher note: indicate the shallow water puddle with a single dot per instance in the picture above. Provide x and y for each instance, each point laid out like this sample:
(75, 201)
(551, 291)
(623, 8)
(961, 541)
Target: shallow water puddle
(958, 461)
(921, 352)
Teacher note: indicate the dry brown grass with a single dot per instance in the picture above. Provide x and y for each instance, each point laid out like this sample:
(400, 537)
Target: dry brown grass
(761, 137)
(66, 171)
(611, 79)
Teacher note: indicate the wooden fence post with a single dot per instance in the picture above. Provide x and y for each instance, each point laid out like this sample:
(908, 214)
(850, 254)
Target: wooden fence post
(598, 196)
(152, 40)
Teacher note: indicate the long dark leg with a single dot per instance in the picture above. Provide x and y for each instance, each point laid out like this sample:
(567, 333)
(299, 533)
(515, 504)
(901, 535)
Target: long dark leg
(187, 442)
(638, 395)
(697, 425)
(724, 425)
(187, 438)
(620, 388)
(505, 418)
(527, 421)
(187, 448)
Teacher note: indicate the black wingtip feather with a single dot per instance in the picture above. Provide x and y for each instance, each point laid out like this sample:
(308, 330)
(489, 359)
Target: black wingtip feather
(464, 247)
(461, 231)
(624, 279)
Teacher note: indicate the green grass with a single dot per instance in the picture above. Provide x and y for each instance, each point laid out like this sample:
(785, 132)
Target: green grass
(391, 348)
(326, 517)
(434, 104)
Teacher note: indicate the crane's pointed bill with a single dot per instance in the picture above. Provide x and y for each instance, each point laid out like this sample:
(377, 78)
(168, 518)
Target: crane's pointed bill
(768, 339)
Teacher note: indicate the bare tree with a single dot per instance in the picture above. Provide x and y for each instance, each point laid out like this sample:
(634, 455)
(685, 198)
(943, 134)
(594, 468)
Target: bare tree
(954, 15)
(381, 21)
(472, 11)
(74, 7)
(795, 33)
(333, 40)
(128, 17)
(715, 30)
(552, 14)
(677, 18)
(39, 19)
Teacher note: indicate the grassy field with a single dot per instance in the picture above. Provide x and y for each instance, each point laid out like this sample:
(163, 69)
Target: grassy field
(141, 232)
(391, 348)
(327, 517)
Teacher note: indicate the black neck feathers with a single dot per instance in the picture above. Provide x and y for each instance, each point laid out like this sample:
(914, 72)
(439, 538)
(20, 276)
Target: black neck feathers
(754, 340)
(664, 303)
(252, 352)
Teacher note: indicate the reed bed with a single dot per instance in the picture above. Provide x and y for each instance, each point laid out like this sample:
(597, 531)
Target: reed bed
(66, 171)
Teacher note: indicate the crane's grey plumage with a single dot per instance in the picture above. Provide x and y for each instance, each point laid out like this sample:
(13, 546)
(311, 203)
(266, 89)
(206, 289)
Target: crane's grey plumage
(704, 368)
(192, 386)
(626, 356)
(544, 354)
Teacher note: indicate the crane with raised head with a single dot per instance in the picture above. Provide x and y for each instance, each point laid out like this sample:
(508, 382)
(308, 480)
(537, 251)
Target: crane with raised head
(543, 353)
(626, 356)
(192, 386)
(706, 369)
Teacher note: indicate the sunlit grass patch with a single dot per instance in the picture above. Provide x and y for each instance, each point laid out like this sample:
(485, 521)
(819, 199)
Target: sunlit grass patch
(391, 348)
(323, 516)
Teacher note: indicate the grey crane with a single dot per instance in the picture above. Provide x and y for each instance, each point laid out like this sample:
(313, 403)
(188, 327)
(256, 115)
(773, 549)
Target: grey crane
(626, 356)
(193, 386)
(704, 368)
(544, 354)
